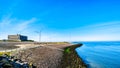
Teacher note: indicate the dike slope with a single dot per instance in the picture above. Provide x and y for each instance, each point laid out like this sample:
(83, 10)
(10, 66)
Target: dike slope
(71, 59)
(52, 56)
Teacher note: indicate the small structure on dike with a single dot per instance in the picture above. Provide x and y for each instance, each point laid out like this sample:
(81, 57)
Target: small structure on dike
(17, 37)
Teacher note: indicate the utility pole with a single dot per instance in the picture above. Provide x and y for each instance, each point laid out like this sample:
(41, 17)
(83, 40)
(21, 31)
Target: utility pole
(70, 39)
(39, 33)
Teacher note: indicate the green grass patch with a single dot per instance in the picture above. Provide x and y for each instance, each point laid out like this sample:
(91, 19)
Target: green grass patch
(67, 50)
(7, 53)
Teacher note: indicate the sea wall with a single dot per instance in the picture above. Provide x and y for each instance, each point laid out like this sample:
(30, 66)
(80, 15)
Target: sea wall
(71, 59)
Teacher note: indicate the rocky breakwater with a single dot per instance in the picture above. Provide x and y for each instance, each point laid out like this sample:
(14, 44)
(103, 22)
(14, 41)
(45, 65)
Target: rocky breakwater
(70, 58)
(7, 61)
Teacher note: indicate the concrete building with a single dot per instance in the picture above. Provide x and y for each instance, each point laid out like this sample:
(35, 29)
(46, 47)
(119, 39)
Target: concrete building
(17, 37)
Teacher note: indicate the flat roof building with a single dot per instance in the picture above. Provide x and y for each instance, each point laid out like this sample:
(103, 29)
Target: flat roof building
(17, 37)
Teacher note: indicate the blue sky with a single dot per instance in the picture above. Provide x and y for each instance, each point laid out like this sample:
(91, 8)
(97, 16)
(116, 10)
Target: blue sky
(61, 20)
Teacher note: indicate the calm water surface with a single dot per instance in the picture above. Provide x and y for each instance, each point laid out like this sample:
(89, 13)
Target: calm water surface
(100, 54)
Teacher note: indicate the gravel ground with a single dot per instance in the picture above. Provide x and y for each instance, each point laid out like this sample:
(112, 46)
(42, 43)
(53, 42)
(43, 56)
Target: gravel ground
(43, 57)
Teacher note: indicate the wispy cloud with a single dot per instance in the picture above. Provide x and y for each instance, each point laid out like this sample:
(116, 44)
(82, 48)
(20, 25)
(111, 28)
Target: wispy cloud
(22, 25)
(5, 21)
(99, 31)
(16, 24)
(10, 25)
(94, 32)
(100, 26)
(106, 27)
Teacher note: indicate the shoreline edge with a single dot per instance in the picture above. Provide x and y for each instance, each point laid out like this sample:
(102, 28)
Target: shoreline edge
(71, 59)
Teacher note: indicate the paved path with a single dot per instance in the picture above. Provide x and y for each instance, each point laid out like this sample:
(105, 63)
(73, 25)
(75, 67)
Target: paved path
(28, 46)
(21, 48)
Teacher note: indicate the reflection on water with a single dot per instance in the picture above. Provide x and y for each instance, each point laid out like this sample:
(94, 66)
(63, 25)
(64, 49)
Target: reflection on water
(100, 54)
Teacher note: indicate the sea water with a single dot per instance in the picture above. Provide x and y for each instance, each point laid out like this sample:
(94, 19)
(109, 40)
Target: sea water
(100, 54)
